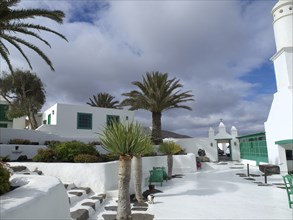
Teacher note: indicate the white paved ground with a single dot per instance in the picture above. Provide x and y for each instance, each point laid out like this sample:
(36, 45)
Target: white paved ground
(216, 192)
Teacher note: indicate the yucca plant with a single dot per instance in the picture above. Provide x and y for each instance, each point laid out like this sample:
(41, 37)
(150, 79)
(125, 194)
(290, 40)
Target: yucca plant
(125, 140)
(169, 148)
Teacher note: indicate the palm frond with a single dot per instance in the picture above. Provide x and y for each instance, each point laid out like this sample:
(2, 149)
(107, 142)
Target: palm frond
(13, 20)
(34, 48)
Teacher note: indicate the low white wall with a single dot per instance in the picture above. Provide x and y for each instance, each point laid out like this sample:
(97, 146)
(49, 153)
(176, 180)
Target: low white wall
(9, 150)
(6, 134)
(103, 177)
(192, 145)
(42, 197)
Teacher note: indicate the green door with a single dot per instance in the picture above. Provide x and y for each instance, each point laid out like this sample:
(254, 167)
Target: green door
(49, 119)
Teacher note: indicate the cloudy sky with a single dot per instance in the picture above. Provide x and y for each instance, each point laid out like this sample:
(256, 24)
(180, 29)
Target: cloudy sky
(220, 50)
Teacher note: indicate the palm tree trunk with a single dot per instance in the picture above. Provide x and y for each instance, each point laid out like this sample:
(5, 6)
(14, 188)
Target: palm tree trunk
(124, 211)
(170, 165)
(156, 128)
(137, 173)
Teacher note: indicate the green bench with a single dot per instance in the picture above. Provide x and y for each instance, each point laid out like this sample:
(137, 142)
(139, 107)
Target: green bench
(158, 174)
(289, 188)
(165, 175)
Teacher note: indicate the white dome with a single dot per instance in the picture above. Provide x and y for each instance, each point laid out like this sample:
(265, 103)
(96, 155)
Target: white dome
(221, 124)
(233, 128)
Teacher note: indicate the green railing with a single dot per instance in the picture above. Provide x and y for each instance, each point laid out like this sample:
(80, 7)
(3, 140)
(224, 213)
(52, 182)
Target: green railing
(254, 150)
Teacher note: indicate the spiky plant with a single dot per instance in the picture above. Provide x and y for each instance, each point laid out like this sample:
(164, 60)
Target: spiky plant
(124, 140)
(170, 148)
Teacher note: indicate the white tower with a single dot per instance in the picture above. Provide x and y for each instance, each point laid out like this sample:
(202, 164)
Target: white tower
(279, 124)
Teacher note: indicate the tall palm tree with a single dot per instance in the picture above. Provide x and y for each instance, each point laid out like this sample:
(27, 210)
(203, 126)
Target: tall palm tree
(124, 140)
(103, 100)
(14, 21)
(157, 93)
(170, 148)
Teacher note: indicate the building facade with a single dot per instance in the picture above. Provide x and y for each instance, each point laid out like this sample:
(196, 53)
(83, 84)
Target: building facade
(80, 121)
(279, 124)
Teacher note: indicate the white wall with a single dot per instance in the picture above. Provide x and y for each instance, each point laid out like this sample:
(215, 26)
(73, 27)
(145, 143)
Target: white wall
(235, 149)
(65, 120)
(6, 134)
(9, 150)
(42, 197)
(279, 126)
(103, 177)
(192, 145)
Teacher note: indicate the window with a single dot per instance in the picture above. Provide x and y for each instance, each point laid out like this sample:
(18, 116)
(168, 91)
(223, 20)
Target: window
(112, 118)
(84, 121)
(3, 111)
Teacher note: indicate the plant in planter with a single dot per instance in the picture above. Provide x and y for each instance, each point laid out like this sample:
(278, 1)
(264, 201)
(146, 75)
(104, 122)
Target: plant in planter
(45, 155)
(66, 151)
(4, 178)
(86, 158)
(170, 148)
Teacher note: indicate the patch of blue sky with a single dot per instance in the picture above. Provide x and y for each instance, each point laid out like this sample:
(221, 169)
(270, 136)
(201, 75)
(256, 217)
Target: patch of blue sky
(246, 4)
(88, 10)
(263, 79)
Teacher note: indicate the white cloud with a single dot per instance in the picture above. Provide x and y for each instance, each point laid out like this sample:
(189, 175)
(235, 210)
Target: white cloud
(208, 45)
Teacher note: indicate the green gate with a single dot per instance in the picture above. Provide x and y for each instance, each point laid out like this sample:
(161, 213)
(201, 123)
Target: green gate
(254, 147)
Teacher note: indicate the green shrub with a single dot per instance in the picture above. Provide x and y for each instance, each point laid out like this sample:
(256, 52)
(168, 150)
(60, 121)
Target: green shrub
(4, 178)
(108, 157)
(86, 158)
(19, 141)
(52, 144)
(5, 159)
(45, 155)
(66, 151)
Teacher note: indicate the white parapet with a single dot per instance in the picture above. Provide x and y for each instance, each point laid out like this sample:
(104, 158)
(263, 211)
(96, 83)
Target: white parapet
(38, 197)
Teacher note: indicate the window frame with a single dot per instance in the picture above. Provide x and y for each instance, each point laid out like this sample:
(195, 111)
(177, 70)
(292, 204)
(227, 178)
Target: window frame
(78, 123)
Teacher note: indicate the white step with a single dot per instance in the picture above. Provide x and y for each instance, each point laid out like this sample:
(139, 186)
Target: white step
(112, 194)
(86, 208)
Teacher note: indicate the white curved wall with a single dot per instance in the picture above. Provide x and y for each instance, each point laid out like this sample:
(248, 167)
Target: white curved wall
(42, 197)
(103, 177)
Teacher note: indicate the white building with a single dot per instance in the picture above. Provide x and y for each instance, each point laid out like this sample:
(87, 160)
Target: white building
(279, 125)
(65, 122)
(221, 140)
(80, 121)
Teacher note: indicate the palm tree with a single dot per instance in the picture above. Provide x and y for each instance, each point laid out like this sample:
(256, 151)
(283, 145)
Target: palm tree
(13, 21)
(157, 93)
(170, 148)
(124, 140)
(103, 100)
